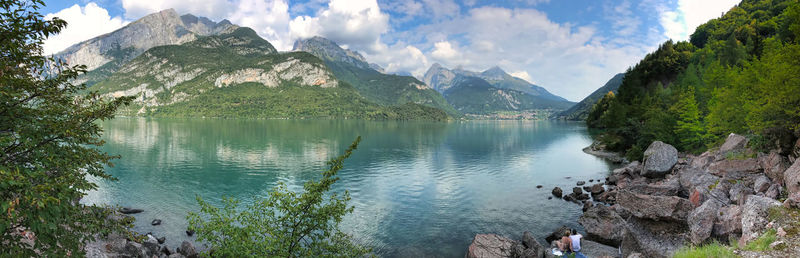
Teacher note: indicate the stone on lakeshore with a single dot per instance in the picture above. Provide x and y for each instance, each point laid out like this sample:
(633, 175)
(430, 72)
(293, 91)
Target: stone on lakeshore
(586, 205)
(591, 180)
(664, 189)
(609, 197)
(557, 192)
(701, 221)
(582, 197)
(691, 179)
(577, 190)
(774, 166)
(734, 168)
(793, 201)
(603, 225)
(739, 193)
(155, 222)
(126, 210)
(728, 222)
(792, 177)
(773, 191)
(556, 234)
(161, 240)
(166, 251)
(734, 142)
(655, 207)
(597, 189)
(761, 184)
(580, 183)
(490, 245)
(754, 216)
(189, 232)
(659, 158)
(653, 238)
(188, 250)
(151, 246)
(133, 249)
(539, 186)
(530, 243)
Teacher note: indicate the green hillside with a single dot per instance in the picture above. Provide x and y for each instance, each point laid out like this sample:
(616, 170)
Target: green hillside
(240, 75)
(738, 73)
(581, 110)
(474, 95)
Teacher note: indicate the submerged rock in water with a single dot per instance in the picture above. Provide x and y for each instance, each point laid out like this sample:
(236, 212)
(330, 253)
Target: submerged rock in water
(557, 192)
(155, 222)
(126, 210)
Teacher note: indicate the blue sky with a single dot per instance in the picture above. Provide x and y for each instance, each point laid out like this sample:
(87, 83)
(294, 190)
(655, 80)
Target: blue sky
(570, 47)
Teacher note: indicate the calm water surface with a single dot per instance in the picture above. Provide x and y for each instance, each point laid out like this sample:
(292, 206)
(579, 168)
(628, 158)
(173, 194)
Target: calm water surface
(419, 189)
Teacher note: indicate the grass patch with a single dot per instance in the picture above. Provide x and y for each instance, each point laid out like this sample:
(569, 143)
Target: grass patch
(762, 243)
(790, 218)
(714, 249)
(739, 155)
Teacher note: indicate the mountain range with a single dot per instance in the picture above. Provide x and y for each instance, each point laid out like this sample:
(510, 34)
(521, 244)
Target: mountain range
(490, 91)
(580, 111)
(191, 66)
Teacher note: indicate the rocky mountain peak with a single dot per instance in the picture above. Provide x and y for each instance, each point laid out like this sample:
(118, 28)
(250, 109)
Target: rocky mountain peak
(328, 50)
(494, 72)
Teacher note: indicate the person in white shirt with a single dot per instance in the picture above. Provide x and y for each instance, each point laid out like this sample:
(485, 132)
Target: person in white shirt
(576, 243)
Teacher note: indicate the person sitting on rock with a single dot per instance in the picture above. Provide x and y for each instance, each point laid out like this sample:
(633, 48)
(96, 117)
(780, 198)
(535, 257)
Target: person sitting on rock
(575, 243)
(564, 245)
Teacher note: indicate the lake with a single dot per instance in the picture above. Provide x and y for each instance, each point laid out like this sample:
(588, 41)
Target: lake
(419, 188)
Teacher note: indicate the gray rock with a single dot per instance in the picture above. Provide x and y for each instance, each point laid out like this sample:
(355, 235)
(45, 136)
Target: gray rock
(188, 250)
(754, 216)
(635, 255)
(761, 184)
(133, 249)
(728, 222)
(530, 243)
(701, 221)
(490, 245)
(653, 238)
(792, 177)
(654, 207)
(773, 191)
(155, 222)
(603, 225)
(126, 210)
(580, 183)
(735, 168)
(597, 189)
(655, 189)
(734, 142)
(739, 193)
(151, 246)
(703, 161)
(659, 158)
(586, 205)
(792, 201)
(774, 166)
(692, 178)
(577, 191)
(557, 192)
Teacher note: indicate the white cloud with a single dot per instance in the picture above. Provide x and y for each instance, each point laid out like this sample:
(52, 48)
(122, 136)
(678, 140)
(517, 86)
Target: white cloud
(82, 23)
(444, 51)
(401, 58)
(522, 75)
(680, 23)
(356, 24)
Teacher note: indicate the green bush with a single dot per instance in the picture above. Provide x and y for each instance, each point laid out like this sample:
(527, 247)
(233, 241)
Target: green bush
(284, 224)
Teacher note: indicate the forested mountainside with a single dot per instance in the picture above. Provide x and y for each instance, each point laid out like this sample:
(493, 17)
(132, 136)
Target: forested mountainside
(581, 110)
(239, 74)
(737, 73)
(373, 84)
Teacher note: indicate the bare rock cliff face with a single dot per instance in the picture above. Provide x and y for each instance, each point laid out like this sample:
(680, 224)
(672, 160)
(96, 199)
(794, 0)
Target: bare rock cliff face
(157, 29)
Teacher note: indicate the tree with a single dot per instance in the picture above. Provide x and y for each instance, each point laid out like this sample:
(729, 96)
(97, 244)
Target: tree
(284, 224)
(47, 136)
(689, 127)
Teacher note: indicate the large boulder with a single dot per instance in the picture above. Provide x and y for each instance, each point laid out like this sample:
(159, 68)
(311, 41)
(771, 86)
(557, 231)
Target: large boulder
(530, 243)
(774, 165)
(728, 222)
(792, 177)
(659, 158)
(701, 221)
(655, 207)
(754, 216)
(664, 188)
(735, 168)
(703, 161)
(133, 249)
(692, 179)
(597, 189)
(187, 249)
(739, 193)
(490, 246)
(603, 225)
(652, 238)
(734, 142)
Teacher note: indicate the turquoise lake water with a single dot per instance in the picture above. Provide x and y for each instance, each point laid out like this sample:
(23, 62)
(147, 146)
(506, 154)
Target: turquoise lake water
(419, 189)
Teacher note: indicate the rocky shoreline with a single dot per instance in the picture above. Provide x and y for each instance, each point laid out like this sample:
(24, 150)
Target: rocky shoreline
(666, 202)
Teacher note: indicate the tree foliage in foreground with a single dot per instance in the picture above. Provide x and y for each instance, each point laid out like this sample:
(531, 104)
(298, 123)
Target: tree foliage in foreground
(737, 74)
(284, 224)
(47, 139)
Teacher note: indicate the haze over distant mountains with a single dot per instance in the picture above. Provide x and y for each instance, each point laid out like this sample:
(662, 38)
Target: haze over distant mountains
(581, 110)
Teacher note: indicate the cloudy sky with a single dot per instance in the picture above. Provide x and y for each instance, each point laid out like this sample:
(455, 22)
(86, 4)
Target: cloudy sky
(570, 47)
